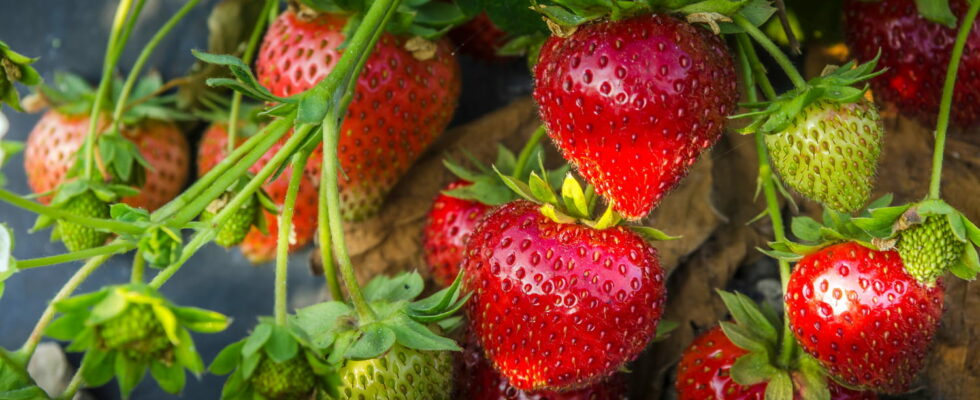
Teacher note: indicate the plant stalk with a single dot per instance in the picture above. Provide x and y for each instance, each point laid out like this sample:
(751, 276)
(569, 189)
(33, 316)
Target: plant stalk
(520, 168)
(285, 228)
(90, 222)
(946, 105)
(116, 247)
(326, 246)
(777, 55)
(139, 266)
(250, 48)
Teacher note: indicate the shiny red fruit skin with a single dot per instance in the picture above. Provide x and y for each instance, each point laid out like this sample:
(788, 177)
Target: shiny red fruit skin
(916, 52)
(480, 37)
(258, 247)
(400, 105)
(703, 373)
(862, 316)
(56, 140)
(450, 223)
(633, 103)
(479, 381)
(560, 306)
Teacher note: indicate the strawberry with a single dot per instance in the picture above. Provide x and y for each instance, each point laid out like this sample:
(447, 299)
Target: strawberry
(400, 373)
(480, 37)
(633, 103)
(401, 103)
(78, 237)
(237, 226)
(57, 138)
(829, 153)
(137, 333)
(291, 379)
(703, 373)
(861, 315)
(479, 381)
(915, 52)
(929, 249)
(532, 278)
(450, 223)
(259, 246)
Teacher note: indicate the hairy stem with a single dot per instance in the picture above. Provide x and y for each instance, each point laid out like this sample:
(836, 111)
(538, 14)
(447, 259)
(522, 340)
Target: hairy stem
(777, 55)
(326, 247)
(80, 276)
(285, 228)
(788, 343)
(520, 168)
(116, 247)
(97, 223)
(946, 105)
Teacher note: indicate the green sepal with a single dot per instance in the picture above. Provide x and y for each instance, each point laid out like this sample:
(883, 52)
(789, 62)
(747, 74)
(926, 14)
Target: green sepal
(245, 81)
(748, 315)
(937, 11)
(753, 368)
(780, 387)
(486, 186)
(15, 67)
(374, 340)
(98, 367)
(128, 373)
(400, 288)
(664, 328)
(652, 234)
(161, 246)
(758, 12)
(171, 377)
(414, 335)
(256, 340)
(324, 321)
(836, 86)
(228, 359)
(281, 346)
(812, 379)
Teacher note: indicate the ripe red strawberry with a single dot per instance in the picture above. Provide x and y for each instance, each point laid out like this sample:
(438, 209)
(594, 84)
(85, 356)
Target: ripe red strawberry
(860, 314)
(633, 103)
(450, 223)
(56, 139)
(401, 104)
(916, 52)
(479, 381)
(259, 247)
(560, 306)
(480, 37)
(703, 373)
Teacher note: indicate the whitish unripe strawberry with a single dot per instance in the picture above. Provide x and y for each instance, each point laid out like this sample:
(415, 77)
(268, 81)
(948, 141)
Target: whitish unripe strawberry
(829, 153)
(400, 374)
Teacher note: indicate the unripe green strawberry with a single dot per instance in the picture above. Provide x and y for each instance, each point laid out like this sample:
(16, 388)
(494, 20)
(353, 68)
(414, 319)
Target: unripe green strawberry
(137, 333)
(929, 249)
(400, 374)
(290, 380)
(236, 227)
(78, 237)
(829, 153)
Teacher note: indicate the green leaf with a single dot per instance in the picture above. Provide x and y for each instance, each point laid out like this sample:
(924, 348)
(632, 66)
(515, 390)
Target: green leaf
(514, 16)
(67, 327)
(281, 346)
(403, 287)
(753, 368)
(439, 300)
(416, 336)
(449, 312)
(257, 339)
(201, 320)
(129, 373)
(461, 172)
(806, 228)
(98, 367)
(376, 339)
(321, 321)
(250, 363)
(227, 359)
(170, 378)
(313, 106)
(756, 11)
(780, 387)
(937, 11)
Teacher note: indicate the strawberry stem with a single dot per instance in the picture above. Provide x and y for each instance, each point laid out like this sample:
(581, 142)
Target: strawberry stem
(326, 247)
(945, 106)
(520, 168)
(777, 55)
(116, 247)
(746, 57)
(97, 223)
(285, 229)
(80, 276)
(139, 265)
(144, 57)
(72, 388)
(253, 41)
(113, 51)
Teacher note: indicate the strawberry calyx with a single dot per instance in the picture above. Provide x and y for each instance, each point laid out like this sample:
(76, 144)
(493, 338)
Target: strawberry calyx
(427, 19)
(754, 329)
(835, 85)
(135, 327)
(937, 11)
(274, 361)
(563, 17)
(835, 227)
(15, 67)
(487, 187)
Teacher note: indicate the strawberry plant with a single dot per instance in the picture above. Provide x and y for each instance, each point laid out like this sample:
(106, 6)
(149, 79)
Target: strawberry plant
(557, 286)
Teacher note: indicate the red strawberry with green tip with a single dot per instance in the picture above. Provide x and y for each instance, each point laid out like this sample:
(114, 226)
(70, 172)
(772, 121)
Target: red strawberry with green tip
(633, 103)
(401, 103)
(915, 52)
(560, 305)
(862, 316)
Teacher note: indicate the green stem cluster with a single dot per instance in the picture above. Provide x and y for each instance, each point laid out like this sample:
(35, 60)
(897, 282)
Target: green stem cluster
(251, 47)
(946, 104)
(770, 47)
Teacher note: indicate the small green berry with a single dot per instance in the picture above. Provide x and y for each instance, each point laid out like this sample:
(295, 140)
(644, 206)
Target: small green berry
(930, 249)
(290, 380)
(137, 333)
(79, 237)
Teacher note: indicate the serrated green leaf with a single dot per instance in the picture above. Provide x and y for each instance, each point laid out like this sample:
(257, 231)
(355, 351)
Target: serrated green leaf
(98, 367)
(416, 336)
(227, 359)
(780, 387)
(129, 373)
(375, 339)
(281, 346)
(170, 378)
(753, 368)
(256, 340)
